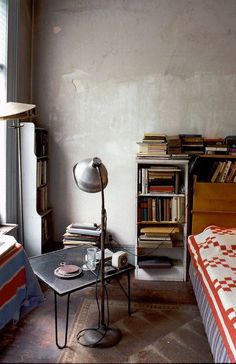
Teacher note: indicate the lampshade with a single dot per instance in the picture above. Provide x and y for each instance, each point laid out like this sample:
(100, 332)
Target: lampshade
(86, 175)
(11, 110)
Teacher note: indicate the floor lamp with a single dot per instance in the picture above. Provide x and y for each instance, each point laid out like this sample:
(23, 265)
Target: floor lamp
(17, 112)
(90, 175)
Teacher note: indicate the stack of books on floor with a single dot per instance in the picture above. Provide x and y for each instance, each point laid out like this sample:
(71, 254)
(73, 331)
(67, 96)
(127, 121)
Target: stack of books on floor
(82, 233)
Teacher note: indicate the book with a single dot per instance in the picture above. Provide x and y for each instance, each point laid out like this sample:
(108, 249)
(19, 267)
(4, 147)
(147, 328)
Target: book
(218, 178)
(7, 243)
(160, 229)
(155, 244)
(83, 231)
(73, 243)
(232, 173)
(80, 237)
(154, 136)
(225, 171)
(83, 225)
(217, 171)
(162, 237)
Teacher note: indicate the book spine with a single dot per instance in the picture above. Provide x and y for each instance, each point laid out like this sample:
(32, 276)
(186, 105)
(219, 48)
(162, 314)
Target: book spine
(225, 171)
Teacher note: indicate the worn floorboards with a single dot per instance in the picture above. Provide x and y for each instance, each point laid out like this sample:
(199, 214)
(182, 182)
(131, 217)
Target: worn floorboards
(32, 340)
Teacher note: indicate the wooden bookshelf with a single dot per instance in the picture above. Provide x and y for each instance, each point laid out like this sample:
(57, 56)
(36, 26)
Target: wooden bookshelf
(213, 203)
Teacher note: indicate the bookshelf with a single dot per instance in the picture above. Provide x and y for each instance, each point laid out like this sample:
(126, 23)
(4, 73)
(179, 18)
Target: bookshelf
(161, 218)
(36, 211)
(213, 200)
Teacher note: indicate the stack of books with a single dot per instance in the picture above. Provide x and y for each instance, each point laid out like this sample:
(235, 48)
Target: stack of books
(215, 146)
(153, 145)
(82, 233)
(173, 144)
(159, 236)
(192, 143)
(230, 141)
(154, 241)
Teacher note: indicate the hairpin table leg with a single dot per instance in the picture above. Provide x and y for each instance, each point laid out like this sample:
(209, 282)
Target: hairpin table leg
(129, 301)
(67, 319)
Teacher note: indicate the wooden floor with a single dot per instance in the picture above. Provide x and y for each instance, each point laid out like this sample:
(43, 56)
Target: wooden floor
(33, 338)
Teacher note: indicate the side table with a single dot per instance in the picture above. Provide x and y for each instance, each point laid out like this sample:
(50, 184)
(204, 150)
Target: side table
(45, 264)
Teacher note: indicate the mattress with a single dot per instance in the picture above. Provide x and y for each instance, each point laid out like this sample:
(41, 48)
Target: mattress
(213, 334)
(213, 257)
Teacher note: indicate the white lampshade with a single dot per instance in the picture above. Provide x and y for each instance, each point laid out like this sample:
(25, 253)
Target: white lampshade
(11, 110)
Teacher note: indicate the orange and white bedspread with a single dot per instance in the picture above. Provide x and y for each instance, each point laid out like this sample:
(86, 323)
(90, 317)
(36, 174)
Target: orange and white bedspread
(213, 254)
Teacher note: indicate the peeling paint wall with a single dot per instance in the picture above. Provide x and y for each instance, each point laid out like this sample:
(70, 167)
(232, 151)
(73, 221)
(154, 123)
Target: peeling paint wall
(106, 71)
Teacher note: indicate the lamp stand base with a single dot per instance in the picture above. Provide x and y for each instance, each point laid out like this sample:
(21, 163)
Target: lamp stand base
(103, 337)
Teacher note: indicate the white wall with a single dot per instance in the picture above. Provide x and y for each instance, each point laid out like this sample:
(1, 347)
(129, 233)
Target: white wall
(106, 71)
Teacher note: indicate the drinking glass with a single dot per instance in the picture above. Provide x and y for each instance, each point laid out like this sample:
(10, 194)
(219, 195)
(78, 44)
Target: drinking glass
(91, 258)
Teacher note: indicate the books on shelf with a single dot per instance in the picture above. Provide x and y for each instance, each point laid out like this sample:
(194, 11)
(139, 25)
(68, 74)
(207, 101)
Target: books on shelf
(160, 230)
(231, 173)
(170, 209)
(41, 142)
(158, 179)
(42, 198)
(223, 171)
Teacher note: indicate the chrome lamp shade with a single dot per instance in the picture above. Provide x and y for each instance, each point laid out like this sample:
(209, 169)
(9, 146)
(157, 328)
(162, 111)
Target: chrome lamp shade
(87, 176)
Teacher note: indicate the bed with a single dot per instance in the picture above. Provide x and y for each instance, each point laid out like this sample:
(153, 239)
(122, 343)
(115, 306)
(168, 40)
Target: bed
(20, 291)
(213, 275)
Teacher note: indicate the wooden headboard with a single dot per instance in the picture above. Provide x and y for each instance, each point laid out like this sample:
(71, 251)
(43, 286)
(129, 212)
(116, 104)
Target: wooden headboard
(213, 204)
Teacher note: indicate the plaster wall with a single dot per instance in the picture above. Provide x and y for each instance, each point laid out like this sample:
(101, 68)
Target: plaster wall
(106, 71)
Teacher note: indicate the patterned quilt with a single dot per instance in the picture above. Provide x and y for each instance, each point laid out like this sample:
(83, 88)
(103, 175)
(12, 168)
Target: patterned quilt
(19, 288)
(213, 254)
